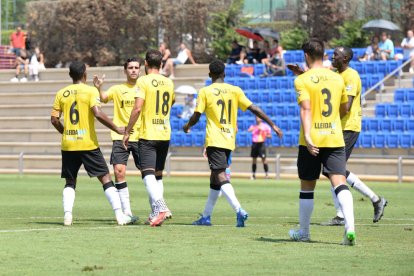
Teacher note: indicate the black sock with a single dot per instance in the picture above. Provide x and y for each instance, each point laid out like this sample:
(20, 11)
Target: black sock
(266, 168)
(254, 167)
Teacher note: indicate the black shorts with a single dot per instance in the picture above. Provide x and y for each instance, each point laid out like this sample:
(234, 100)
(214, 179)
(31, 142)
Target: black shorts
(218, 158)
(332, 159)
(152, 154)
(350, 138)
(120, 156)
(258, 150)
(92, 160)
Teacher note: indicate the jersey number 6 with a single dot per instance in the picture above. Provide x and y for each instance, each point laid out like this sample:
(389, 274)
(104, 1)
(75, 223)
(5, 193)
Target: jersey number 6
(74, 114)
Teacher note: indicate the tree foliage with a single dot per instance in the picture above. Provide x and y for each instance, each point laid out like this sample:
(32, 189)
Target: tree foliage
(351, 35)
(294, 38)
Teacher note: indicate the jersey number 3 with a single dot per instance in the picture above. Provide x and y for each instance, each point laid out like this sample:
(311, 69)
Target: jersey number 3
(327, 101)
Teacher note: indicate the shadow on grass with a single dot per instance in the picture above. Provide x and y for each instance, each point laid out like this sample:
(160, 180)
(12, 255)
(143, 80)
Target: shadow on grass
(264, 239)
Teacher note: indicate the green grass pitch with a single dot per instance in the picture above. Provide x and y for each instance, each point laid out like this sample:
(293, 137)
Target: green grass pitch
(34, 242)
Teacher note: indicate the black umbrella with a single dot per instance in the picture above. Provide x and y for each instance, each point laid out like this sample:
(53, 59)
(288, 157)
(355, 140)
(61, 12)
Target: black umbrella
(380, 25)
(268, 32)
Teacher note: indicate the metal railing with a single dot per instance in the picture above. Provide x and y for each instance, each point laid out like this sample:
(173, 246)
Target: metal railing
(381, 82)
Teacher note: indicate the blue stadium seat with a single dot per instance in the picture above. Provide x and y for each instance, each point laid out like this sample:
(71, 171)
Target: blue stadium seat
(409, 125)
(268, 109)
(410, 95)
(359, 67)
(251, 84)
(208, 82)
(374, 79)
(266, 97)
(284, 83)
(392, 140)
(288, 96)
(231, 81)
(243, 139)
(259, 69)
(242, 82)
(284, 124)
(254, 96)
(299, 56)
(365, 124)
(398, 125)
(392, 65)
(386, 125)
(177, 139)
(292, 110)
(366, 139)
(261, 83)
(276, 141)
(399, 95)
(379, 140)
(371, 67)
(392, 110)
(405, 141)
(295, 124)
(248, 121)
(229, 71)
(381, 110)
(271, 83)
(382, 67)
(198, 139)
(288, 140)
(405, 110)
(288, 56)
(275, 96)
(374, 124)
(278, 110)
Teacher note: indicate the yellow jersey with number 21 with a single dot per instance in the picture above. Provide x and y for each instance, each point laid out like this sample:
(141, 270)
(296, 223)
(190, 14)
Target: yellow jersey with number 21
(326, 92)
(220, 102)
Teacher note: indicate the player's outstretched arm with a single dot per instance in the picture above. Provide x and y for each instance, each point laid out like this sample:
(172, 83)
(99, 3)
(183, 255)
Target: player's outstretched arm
(55, 120)
(136, 110)
(103, 118)
(98, 82)
(260, 113)
(193, 120)
(306, 121)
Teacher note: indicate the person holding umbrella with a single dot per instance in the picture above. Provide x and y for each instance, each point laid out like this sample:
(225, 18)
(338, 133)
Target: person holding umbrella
(386, 47)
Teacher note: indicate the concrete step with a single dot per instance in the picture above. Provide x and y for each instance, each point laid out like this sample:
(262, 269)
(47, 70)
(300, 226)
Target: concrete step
(111, 72)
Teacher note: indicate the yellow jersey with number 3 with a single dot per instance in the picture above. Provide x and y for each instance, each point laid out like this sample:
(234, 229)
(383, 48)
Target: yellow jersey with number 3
(353, 87)
(326, 92)
(123, 96)
(75, 102)
(158, 94)
(220, 102)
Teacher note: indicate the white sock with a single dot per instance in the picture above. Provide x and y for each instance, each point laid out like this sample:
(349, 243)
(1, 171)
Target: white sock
(152, 187)
(112, 195)
(68, 199)
(228, 192)
(123, 193)
(336, 203)
(211, 201)
(305, 210)
(360, 186)
(161, 187)
(347, 205)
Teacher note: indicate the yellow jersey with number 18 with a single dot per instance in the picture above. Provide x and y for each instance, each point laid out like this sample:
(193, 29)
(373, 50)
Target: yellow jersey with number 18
(157, 92)
(353, 87)
(326, 92)
(123, 96)
(220, 102)
(75, 102)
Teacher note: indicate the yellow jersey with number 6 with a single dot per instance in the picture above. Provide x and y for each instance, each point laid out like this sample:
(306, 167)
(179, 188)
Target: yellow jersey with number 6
(220, 102)
(157, 92)
(75, 102)
(326, 92)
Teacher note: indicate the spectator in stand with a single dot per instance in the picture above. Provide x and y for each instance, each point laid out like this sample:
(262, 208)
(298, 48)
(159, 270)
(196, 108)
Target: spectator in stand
(275, 66)
(37, 63)
(166, 54)
(372, 52)
(253, 54)
(189, 107)
(408, 45)
(17, 41)
(265, 52)
(237, 54)
(184, 54)
(326, 61)
(386, 47)
(276, 50)
(22, 61)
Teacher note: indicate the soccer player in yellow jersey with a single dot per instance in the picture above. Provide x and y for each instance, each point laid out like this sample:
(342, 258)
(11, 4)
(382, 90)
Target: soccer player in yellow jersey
(80, 105)
(220, 102)
(322, 99)
(123, 96)
(153, 100)
(351, 126)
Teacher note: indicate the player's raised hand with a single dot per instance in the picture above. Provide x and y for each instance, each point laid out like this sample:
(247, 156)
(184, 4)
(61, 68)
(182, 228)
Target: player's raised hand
(297, 70)
(98, 81)
(121, 130)
(278, 131)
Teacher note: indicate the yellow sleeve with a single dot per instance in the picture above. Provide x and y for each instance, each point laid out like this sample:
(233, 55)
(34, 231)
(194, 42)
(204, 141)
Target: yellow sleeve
(301, 92)
(351, 84)
(110, 93)
(344, 96)
(56, 106)
(243, 101)
(201, 102)
(140, 90)
(95, 99)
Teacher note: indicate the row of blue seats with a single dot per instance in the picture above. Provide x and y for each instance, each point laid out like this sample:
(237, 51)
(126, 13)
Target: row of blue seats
(286, 82)
(386, 140)
(394, 110)
(375, 67)
(387, 125)
(404, 95)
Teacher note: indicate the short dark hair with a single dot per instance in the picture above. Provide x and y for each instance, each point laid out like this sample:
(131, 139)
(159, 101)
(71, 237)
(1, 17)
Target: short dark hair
(314, 48)
(216, 67)
(131, 60)
(348, 52)
(153, 58)
(76, 70)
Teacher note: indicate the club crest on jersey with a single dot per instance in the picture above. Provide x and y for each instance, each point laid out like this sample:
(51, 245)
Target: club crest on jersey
(348, 87)
(314, 79)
